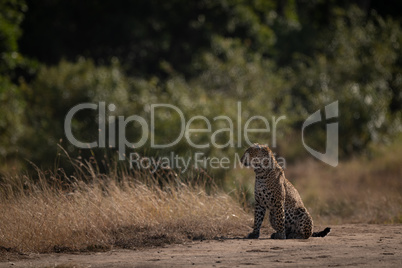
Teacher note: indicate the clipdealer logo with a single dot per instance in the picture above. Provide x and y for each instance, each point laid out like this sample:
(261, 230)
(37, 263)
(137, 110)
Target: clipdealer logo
(108, 125)
(236, 137)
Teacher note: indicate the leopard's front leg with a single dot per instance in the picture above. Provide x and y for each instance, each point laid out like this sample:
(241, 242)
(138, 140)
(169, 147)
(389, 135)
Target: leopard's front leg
(259, 214)
(277, 214)
(279, 218)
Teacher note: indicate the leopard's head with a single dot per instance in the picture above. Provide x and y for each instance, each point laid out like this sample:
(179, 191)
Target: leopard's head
(258, 156)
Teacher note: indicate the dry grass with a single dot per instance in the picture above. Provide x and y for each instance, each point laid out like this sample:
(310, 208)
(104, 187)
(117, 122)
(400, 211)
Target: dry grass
(361, 190)
(125, 211)
(131, 210)
(354, 192)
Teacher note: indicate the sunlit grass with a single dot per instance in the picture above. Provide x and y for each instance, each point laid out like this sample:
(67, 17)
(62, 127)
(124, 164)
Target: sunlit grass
(54, 212)
(128, 211)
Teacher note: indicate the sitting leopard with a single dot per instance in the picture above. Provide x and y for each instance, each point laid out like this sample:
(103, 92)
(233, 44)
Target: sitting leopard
(274, 192)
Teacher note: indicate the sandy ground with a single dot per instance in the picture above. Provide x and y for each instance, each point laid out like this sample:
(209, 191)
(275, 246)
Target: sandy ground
(346, 245)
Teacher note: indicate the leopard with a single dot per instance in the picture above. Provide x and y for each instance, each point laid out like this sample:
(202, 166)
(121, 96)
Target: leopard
(274, 193)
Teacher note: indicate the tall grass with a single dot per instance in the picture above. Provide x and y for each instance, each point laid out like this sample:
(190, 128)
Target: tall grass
(357, 191)
(94, 211)
(130, 209)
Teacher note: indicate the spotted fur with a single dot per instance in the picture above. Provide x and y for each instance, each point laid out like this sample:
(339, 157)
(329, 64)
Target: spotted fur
(273, 192)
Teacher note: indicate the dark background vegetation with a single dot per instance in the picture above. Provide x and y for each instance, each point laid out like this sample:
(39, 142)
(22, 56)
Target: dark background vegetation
(275, 57)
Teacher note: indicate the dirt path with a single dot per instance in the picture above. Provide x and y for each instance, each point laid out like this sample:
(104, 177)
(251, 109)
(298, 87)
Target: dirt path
(346, 245)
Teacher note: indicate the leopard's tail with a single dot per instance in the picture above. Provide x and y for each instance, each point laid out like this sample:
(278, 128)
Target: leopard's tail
(322, 233)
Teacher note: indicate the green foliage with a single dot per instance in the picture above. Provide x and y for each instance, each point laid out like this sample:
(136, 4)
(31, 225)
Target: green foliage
(276, 58)
(55, 91)
(11, 16)
(359, 67)
(12, 103)
(149, 37)
(12, 107)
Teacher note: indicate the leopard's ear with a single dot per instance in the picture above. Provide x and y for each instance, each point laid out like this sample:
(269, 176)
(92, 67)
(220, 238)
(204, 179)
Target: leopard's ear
(257, 145)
